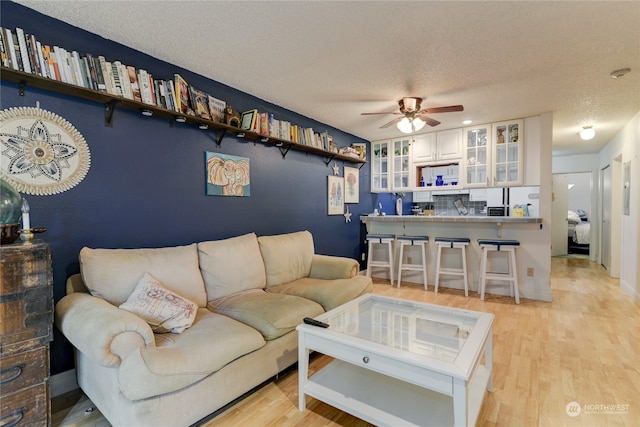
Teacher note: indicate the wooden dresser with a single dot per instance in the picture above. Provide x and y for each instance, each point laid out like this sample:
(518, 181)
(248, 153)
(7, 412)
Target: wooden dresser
(26, 318)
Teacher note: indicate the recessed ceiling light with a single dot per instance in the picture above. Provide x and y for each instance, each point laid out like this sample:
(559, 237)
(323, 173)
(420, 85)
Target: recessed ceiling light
(619, 73)
(467, 122)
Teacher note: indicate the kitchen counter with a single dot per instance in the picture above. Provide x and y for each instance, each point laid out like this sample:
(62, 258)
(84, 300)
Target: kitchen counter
(531, 232)
(499, 221)
(459, 218)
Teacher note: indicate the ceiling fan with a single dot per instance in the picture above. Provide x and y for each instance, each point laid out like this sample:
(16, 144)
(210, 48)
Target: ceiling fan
(414, 118)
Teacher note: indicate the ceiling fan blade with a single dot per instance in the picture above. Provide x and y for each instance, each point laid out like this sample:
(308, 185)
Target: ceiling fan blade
(392, 122)
(370, 114)
(428, 120)
(448, 109)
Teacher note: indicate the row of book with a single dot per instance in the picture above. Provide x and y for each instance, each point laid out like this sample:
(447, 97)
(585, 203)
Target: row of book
(266, 124)
(22, 51)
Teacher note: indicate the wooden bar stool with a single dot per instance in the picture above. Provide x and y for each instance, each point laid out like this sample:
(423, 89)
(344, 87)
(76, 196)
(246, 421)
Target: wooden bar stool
(508, 246)
(381, 239)
(410, 241)
(452, 243)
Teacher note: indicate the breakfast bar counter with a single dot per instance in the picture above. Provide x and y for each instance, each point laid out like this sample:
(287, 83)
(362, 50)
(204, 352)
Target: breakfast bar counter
(531, 232)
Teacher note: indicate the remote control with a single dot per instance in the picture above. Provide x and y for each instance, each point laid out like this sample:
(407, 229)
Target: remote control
(314, 322)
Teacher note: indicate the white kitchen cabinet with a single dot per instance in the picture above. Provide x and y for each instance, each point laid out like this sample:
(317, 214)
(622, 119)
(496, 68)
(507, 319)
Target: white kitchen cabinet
(380, 166)
(477, 155)
(391, 168)
(449, 144)
(401, 169)
(507, 153)
(493, 154)
(437, 146)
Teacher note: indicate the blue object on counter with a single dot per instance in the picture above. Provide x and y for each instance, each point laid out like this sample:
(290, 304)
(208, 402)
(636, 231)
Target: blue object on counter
(439, 181)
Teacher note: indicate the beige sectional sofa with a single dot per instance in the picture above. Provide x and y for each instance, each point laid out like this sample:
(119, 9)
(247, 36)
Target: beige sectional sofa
(241, 299)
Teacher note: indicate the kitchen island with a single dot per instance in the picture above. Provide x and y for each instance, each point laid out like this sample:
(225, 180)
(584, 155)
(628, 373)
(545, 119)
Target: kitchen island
(533, 255)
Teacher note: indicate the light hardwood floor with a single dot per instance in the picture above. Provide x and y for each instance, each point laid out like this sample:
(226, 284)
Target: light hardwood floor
(584, 347)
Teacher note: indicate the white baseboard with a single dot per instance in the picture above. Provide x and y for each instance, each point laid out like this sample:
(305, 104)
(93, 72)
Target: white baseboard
(62, 383)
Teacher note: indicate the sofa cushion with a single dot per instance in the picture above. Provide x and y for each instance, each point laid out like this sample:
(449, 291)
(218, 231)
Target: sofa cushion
(328, 293)
(180, 360)
(231, 265)
(272, 314)
(163, 310)
(287, 257)
(112, 274)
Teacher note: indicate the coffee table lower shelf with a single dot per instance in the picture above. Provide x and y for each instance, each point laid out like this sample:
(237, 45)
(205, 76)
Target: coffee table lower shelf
(386, 401)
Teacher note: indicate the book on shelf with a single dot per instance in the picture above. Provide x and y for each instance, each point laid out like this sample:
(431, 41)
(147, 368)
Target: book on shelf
(171, 96)
(44, 67)
(182, 95)
(4, 57)
(145, 87)
(33, 54)
(134, 84)
(22, 47)
(200, 103)
(216, 109)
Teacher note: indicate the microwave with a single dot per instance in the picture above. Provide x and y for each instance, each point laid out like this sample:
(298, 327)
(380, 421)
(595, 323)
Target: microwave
(496, 211)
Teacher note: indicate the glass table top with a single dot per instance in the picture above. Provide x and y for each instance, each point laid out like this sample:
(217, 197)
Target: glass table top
(434, 331)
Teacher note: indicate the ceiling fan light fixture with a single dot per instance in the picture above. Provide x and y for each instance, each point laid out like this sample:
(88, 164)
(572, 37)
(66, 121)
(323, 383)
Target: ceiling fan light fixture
(418, 123)
(405, 125)
(587, 133)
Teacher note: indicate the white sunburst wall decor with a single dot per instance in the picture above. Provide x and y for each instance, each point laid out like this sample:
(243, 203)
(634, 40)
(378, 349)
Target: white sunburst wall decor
(41, 153)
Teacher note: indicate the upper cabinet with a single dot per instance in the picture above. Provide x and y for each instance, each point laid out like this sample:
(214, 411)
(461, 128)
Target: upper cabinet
(380, 166)
(493, 154)
(391, 165)
(437, 146)
(507, 153)
(401, 170)
(477, 155)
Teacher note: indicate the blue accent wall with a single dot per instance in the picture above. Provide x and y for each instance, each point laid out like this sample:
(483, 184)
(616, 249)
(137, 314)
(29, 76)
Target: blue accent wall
(146, 185)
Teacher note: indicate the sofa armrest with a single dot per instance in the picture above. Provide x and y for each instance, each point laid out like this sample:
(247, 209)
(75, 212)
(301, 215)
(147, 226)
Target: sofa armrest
(333, 267)
(100, 330)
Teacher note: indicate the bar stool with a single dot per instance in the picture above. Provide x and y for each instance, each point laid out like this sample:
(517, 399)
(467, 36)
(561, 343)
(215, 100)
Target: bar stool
(511, 276)
(410, 241)
(452, 243)
(383, 239)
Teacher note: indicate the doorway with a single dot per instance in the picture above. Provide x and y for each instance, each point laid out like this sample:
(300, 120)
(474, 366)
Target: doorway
(571, 214)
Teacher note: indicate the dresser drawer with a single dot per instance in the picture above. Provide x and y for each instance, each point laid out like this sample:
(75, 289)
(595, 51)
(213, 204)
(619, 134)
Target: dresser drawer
(27, 407)
(24, 267)
(26, 320)
(23, 370)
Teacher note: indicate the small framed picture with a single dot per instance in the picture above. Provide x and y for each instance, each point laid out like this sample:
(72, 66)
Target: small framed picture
(248, 120)
(335, 195)
(351, 185)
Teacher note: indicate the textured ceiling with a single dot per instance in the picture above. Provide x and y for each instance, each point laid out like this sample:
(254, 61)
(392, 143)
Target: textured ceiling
(333, 60)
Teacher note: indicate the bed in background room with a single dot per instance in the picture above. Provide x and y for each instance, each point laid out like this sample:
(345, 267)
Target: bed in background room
(579, 232)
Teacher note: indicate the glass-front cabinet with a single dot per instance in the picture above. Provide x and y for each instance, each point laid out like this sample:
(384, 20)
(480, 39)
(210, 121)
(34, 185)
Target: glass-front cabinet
(380, 166)
(401, 164)
(507, 153)
(477, 149)
(391, 165)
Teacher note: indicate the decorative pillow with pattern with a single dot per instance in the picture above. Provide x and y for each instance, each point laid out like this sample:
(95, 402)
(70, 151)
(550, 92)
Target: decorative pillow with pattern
(162, 309)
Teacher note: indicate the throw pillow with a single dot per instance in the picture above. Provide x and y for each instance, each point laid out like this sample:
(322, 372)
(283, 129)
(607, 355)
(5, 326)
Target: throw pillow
(163, 310)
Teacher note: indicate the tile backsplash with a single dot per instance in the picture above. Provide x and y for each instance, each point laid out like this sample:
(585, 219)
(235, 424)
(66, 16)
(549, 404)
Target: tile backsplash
(444, 205)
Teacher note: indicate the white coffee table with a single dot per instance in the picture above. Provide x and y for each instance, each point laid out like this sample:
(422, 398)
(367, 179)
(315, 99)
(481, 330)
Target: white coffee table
(399, 363)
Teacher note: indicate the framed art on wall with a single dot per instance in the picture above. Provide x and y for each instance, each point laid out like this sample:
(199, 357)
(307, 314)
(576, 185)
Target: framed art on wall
(335, 195)
(351, 185)
(227, 175)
